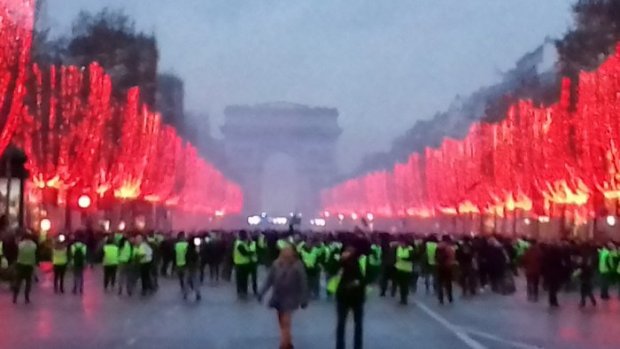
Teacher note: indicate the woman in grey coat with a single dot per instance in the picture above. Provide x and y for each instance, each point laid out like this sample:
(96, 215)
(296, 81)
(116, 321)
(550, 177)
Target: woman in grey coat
(287, 278)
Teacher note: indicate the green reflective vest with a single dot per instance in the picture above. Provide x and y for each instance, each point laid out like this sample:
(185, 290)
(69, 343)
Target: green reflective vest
(334, 282)
(3, 262)
(60, 255)
(27, 253)
(431, 253)
(403, 259)
(180, 252)
(282, 244)
(144, 253)
(238, 258)
(310, 257)
(253, 251)
(375, 256)
(363, 261)
(125, 253)
(262, 242)
(603, 260)
(110, 255)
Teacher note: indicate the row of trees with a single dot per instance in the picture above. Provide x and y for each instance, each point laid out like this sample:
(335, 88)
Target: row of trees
(81, 137)
(559, 160)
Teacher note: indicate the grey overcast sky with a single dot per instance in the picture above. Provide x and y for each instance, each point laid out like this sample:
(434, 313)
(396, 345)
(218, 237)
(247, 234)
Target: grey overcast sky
(383, 63)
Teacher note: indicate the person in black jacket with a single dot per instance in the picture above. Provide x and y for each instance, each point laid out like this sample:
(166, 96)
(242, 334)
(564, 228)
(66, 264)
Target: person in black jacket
(552, 267)
(192, 259)
(350, 296)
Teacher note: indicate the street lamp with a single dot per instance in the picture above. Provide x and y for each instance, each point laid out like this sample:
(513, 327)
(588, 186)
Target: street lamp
(84, 202)
(611, 221)
(45, 225)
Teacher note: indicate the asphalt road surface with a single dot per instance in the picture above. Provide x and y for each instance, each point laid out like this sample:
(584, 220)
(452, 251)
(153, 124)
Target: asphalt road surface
(107, 321)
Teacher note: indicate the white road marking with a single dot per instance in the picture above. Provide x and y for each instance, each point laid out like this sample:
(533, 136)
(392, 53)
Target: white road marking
(514, 344)
(457, 331)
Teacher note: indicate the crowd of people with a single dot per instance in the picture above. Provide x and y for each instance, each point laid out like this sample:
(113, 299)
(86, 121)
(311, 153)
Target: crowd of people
(344, 266)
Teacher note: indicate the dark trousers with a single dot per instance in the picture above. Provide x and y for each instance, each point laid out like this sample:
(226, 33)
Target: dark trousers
(78, 280)
(414, 281)
(214, 272)
(314, 284)
(373, 273)
(145, 278)
(253, 271)
(241, 277)
(605, 283)
(554, 287)
(109, 276)
(404, 280)
(444, 284)
(182, 276)
(59, 278)
(468, 281)
(358, 318)
(387, 276)
(586, 293)
(154, 274)
(430, 277)
(203, 266)
(23, 274)
(533, 282)
(165, 265)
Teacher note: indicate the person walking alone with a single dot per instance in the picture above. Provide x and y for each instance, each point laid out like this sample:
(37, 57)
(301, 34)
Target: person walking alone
(26, 262)
(404, 269)
(193, 268)
(287, 279)
(242, 261)
(180, 261)
(350, 296)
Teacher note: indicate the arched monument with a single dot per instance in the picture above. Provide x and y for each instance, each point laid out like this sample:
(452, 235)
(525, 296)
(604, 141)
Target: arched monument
(307, 134)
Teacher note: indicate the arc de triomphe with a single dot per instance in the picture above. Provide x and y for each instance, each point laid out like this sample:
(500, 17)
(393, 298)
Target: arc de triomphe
(307, 134)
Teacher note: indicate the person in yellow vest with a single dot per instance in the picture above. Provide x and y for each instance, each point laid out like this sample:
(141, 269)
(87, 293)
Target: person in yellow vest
(110, 263)
(253, 268)
(60, 259)
(374, 261)
(605, 268)
(180, 261)
(404, 269)
(124, 264)
(3, 261)
(310, 254)
(144, 256)
(242, 261)
(430, 263)
(26, 262)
